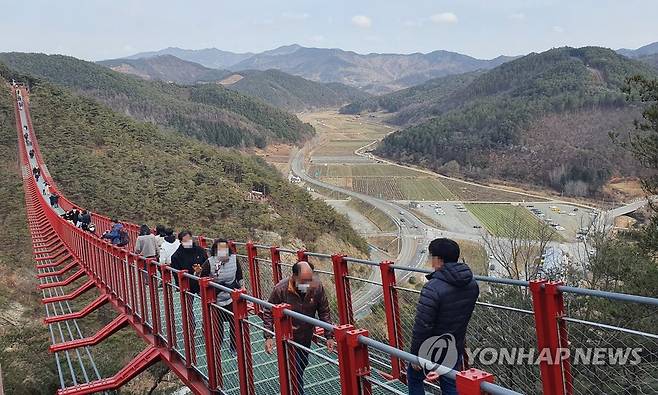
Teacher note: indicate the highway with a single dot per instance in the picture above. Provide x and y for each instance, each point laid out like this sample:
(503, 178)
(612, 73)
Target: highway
(412, 234)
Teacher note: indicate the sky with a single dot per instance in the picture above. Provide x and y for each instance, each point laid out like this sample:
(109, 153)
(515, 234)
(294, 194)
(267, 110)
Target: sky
(103, 29)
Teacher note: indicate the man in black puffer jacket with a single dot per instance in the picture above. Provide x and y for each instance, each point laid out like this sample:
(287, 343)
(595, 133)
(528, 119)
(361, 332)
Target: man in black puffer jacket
(445, 306)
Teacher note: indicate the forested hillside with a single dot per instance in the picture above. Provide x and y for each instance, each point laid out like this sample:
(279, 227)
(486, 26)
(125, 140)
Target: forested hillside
(417, 102)
(210, 113)
(542, 119)
(293, 93)
(166, 68)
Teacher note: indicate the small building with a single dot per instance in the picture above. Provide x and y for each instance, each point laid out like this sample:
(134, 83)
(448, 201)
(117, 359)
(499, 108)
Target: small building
(256, 195)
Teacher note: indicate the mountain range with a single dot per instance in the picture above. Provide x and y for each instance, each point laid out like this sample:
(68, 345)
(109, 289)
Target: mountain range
(543, 118)
(373, 73)
(210, 57)
(208, 112)
(286, 91)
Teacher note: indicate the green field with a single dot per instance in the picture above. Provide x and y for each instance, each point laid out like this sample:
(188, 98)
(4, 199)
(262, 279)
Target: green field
(340, 147)
(500, 219)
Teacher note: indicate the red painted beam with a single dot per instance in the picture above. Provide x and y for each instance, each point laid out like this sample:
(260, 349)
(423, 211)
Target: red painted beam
(104, 333)
(140, 363)
(59, 272)
(70, 296)
(63, 283)
(54, 264)
(53, 256)
(48, 241)
(98, 302)
(49, 249)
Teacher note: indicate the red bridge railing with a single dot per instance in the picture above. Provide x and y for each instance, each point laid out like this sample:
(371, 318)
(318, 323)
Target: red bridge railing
(380, 296)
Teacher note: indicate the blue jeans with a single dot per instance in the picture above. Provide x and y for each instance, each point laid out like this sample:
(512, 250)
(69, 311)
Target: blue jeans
(415, 380)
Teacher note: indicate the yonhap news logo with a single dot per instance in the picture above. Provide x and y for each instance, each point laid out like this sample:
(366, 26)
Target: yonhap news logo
(439, 353)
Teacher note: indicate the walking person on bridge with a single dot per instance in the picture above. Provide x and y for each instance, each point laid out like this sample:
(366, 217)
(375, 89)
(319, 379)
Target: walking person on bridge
(169, 245)
(159, 236)
(146, 245)
(307, 296)
(444, 309)
(37, 173)
(223, 267)
(189, 257)
(85, 220)
(114, 234)
(54, 200)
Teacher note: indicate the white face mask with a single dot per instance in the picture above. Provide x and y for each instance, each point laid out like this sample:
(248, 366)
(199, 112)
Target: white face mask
(303, 287)
(186, 244)
(222, 253)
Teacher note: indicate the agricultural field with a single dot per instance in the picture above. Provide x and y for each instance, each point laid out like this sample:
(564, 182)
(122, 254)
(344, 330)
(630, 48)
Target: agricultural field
(402, 188)
(361, 170)
(500, 219)
(339, 147)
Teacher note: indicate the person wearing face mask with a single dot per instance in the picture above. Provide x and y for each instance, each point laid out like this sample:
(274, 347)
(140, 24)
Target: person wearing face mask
(189, 257)
(225, 270)
(307, 296)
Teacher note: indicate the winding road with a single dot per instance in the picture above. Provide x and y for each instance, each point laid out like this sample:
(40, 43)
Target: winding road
(412, 240)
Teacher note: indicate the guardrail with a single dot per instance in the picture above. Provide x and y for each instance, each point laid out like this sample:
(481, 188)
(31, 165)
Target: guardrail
(380, 296)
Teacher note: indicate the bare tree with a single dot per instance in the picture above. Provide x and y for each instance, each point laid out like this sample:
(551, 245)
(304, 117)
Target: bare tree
(518, 251)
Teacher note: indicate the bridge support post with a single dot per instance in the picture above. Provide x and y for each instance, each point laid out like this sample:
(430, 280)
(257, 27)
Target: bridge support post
(285, 358)
(275, 258)
(167, 301)
(393, 324)
(208, 296)
(302, 256)
(359, 362)
(552, 338)
(142, 282)
(187, 315)
(254, 274)
(152, 271)
(343, 299)
(469, 381)
(243, 343)
(344, 368)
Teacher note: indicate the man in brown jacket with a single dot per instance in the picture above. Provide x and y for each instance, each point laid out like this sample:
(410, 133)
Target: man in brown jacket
(305, 295)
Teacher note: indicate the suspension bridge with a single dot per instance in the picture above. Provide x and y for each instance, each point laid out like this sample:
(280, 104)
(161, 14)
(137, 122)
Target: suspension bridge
(185, 330)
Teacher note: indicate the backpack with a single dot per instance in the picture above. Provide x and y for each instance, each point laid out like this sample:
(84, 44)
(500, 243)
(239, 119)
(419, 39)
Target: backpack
(123, 238)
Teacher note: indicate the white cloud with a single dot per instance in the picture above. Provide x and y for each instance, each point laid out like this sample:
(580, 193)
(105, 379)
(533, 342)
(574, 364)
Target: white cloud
(444, 17)
(518, 16)
(558, 29)
(361, 21)
(295, 16)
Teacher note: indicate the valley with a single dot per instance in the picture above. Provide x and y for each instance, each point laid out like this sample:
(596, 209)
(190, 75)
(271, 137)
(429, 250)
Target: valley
(399, 209)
